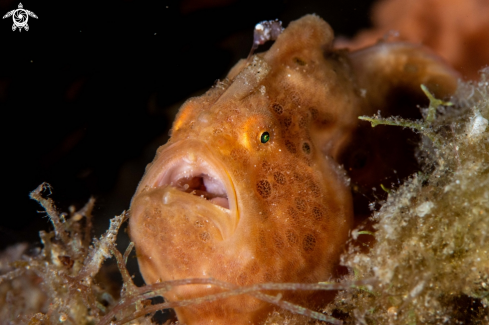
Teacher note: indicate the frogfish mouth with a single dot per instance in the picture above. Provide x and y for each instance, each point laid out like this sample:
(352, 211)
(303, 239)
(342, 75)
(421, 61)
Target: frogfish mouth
(255, 183)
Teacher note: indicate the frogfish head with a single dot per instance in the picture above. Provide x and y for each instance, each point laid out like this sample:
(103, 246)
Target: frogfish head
(249, 188)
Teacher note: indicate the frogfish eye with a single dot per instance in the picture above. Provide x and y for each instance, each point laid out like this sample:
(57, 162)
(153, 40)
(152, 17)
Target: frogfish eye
(265, 136)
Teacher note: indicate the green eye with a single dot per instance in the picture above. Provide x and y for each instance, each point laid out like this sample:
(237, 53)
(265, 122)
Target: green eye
(265, 136)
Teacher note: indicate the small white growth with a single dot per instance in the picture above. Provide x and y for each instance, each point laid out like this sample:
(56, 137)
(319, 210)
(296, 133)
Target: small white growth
(371, 206)
(417, 289)
(263, 90)
(424, 208)
(166, 198)
(476, 127)
(385, 274)
(354, 235)
(361, 259)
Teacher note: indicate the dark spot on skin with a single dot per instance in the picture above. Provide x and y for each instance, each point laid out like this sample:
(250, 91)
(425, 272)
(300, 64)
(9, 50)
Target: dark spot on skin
(204, 236)
(264, 188)
(279, 178)
(309, 242)
(295, 97)
(294, 215)
(314, 114)
(298, 177)
(306, 147)
(278, 241)
(315, 189)
(286, 122)
(299, 61)
(290, 146)
(300, 204)
(317, 213)
(277, 108)
(266, 166)
(291, 237)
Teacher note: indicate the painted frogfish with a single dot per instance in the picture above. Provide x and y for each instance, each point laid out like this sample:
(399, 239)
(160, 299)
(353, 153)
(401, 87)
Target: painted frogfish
(259, 180)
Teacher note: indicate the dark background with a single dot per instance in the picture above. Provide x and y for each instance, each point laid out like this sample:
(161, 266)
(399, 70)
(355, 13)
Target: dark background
(90, 91)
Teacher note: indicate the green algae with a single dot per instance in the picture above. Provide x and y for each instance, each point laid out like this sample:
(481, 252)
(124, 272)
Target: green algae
(425, 126)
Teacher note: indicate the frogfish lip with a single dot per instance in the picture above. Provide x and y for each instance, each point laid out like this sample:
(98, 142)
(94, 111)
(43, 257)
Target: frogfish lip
(191, 167)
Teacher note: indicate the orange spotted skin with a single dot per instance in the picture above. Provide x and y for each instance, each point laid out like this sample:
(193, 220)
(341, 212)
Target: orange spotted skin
(287, 207)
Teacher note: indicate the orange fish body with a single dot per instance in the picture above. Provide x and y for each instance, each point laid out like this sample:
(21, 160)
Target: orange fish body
(250, 187)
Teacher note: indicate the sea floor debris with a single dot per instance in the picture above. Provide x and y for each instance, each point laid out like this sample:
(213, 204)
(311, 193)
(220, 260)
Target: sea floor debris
(429, 262)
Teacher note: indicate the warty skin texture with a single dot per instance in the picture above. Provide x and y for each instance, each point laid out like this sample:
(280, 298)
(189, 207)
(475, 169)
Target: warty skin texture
(290, 203)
